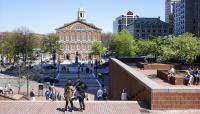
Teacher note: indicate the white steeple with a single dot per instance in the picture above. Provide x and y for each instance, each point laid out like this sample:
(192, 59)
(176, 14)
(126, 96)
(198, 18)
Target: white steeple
(81, 14)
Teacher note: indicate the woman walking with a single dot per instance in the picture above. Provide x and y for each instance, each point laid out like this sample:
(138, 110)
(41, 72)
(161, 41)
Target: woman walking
(81, 87)
(68, 94)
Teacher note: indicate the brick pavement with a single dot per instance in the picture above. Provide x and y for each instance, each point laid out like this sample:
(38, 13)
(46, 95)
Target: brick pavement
(98, 107)
(92, 107)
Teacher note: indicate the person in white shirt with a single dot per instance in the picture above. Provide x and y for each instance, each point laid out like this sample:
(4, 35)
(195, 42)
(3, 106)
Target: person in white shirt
(124, 95)
(100, 94)
(171, 72)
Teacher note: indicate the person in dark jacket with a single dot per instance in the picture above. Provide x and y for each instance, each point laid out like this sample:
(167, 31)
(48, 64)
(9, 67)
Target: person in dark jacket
(80, 88)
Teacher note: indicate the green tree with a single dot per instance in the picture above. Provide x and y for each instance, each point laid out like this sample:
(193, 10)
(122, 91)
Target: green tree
(19, 43)
(184, 46)
(54, 46)
(123, 44)
(97, 49)
(146, 47)
(106, 39)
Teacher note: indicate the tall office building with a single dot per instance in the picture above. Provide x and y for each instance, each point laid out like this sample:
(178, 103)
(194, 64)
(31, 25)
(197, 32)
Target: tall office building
(169, 14)
(147, 28)
(77, 37)
(197, 17)
(122, 21)
(187, 17)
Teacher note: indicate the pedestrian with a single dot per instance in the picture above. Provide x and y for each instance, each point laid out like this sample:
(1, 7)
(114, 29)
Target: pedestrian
(1, 90)
(47, 95)
(51, 95)
(105, 94)
(124, 95)
(32, 95)
(100, 94)
(81, 88)
(9, 88)
(68, 94)
(59, 96)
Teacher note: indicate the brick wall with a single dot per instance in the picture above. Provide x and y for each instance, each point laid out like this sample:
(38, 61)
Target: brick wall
(174, 100)
(120, 79)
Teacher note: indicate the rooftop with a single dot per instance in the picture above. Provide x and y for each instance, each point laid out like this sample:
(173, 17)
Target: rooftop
(152, 75)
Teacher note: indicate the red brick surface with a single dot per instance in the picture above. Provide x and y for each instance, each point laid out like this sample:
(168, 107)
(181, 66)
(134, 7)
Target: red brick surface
(168, 100)
(155, 66)
(58, 108)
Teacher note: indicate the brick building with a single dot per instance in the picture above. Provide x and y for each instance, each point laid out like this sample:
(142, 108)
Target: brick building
(77, 37)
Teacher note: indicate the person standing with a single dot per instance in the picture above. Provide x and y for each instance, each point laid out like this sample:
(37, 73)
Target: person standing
(100, 94)
(58, 96)
(124, 95)
(105, 94)
(47, 95)
(81, 87)
(68, 94)
(9, 88)
(32, 95)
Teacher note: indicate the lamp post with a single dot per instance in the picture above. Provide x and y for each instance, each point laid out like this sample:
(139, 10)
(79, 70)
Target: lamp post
(96, 64)
(41, 58)
(78, 73)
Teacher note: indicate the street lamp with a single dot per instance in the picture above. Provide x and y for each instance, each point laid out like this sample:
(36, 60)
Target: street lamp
(78, 71)
(96, 64)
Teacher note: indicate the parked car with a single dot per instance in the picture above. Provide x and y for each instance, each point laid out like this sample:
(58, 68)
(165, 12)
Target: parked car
(51, 80)
(50, 67)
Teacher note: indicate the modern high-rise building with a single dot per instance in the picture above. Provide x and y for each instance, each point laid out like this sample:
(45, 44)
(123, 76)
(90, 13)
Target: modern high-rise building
(77, 37)
(197, 17)
(186, 17)
(169, 14)
(147, 28)
(122, 21)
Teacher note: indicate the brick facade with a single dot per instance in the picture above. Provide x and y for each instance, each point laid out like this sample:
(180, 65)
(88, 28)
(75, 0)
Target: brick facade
(77, 37)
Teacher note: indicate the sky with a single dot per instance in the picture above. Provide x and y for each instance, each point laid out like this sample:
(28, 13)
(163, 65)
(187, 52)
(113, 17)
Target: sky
(44, 16)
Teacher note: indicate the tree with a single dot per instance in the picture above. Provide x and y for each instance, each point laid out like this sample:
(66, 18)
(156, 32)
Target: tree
(184, 46)
(123, 44)
(106, 39)
(19, 43)
(146, 47)
(97, 49)
(54, 45)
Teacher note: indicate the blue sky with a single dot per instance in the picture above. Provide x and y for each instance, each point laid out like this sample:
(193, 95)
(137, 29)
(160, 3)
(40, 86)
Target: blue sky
(44, 16)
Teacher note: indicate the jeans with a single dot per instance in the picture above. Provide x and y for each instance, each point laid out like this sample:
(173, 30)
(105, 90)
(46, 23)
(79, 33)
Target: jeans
(71, 102)
(81, 102)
